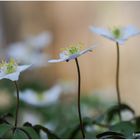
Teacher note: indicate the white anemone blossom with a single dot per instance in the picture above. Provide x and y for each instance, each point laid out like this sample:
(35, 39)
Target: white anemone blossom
(48, 97)
(72, 52)
(117, 34)
(30, 51)
(42, 40)
(10, 70)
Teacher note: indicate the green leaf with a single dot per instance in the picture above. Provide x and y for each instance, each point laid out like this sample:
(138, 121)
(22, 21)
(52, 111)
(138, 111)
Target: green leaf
(50, 134)
(127, 128)
(110, 135)
(137, 121)
(76, 127)
(7, 115)
(113, 111)
(4, 128)
(86, 122)
(27, 124)
(136, 135)
(3, 118)
(31, 132)
(19, 134)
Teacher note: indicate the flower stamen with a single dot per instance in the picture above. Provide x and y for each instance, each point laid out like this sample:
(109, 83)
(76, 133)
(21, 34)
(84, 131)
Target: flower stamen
(116, 32)
(73, 49)
(8, 67)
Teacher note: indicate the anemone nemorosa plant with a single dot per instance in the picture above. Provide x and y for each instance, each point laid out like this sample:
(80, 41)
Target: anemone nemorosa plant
(119, 35)
(10, 70)
(70, 53)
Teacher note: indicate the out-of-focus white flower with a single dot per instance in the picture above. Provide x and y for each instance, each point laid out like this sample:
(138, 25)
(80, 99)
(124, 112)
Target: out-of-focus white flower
(48, 97)
(40, 41)
(72, 52)
(30, 51)
(117, 34)
(30, 116)
(10, 70)
(127, 115)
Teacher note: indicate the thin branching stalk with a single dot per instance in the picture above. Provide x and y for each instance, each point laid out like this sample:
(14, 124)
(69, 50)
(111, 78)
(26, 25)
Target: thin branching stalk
(79, 88)
(117, 79)
(17, 105)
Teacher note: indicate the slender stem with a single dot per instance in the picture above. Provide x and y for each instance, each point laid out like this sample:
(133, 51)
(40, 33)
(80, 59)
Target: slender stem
(79, 108)
(117, 79)
(17, 106)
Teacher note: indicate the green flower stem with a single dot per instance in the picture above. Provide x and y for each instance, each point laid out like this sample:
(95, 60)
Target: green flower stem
(17, 106)
(117, 78)
(79, 108)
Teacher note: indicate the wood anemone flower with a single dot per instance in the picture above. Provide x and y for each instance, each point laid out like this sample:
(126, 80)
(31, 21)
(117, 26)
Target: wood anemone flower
(10, 70)
(72, 52)
(46, 98)
(117, 34)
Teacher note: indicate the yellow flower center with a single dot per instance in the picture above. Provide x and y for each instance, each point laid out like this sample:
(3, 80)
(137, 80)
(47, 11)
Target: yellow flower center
(73, 48)
(8, 67)
(40, 96)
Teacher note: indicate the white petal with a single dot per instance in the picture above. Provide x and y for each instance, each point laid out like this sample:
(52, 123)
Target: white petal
(40, 41)
(87, 50)
(23, 68)
(63, 55)
(17, 51)
(48, 97)
(121, 41)
(13, 76)
(56, 60)
(73, 56)
(103, 32)
(29, 96)
(130, 31)
(42, 57)
(52, 95)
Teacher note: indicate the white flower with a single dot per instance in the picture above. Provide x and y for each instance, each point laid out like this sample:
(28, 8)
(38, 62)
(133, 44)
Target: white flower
(117, 34)
(40, 41)
(30, 116)
(72, 52)
(127, 115)
(10, 70)
(30, 51)
(41, 99)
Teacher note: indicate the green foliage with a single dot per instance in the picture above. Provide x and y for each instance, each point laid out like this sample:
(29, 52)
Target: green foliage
(64, 117)
(113, 111)
(19, 134)
(4, 128)
(110, 135)
(31, 132)
(49, 133)
(127, 128)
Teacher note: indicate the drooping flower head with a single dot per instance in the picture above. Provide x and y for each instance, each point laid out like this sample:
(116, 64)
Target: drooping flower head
(117, 34)
(71, 52)
(10, 70)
